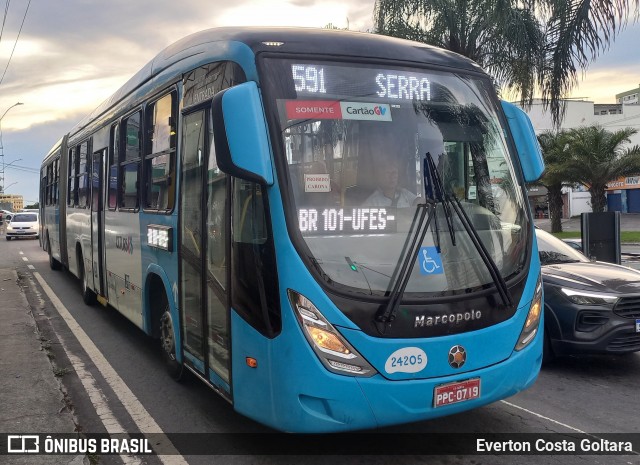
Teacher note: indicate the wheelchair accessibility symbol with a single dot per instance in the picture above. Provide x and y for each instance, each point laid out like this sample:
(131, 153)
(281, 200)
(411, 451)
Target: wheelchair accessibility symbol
(429, 261)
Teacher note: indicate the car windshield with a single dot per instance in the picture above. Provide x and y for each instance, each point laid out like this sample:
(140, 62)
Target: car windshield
(24, 218)
(553, 251)
(355, 138)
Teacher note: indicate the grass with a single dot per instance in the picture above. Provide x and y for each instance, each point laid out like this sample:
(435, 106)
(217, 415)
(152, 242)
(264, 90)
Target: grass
(625, 236)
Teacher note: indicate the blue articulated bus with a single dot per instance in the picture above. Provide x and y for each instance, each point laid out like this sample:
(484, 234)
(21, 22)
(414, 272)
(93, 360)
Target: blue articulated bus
(330, 229)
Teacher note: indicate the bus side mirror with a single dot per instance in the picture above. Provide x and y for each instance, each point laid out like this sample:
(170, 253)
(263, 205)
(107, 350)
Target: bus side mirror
(526, 142)
(240, 133)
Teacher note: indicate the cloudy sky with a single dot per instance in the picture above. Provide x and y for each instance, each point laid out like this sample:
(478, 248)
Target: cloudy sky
(72, 54)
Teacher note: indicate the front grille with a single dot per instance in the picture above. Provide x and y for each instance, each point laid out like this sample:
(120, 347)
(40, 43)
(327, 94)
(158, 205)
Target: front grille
(628, 307)
(628, 341)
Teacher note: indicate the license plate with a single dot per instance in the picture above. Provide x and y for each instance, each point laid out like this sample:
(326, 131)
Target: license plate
(19, 232)
(453, 393)
(638, 325)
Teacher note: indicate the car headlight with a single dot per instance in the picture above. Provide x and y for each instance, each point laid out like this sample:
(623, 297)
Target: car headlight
(530, 328)
(335, 353)
(9, 228)
(588, 298)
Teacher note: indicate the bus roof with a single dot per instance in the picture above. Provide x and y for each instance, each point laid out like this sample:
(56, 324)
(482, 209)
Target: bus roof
(199, 47)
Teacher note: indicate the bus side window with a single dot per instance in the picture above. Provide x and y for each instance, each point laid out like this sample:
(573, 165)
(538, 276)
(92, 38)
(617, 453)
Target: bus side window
(72, 198)
(160, 156)
(49, 181)
(82, 175)
(255, 284)
(114, 159)
(129, 174)
(56, 179)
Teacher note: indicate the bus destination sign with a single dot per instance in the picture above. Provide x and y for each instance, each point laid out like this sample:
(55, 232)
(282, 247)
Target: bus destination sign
(330, 221)
(321, 80)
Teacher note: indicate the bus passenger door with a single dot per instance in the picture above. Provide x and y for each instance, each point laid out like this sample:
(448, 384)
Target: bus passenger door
(97, 220)
(203, 255)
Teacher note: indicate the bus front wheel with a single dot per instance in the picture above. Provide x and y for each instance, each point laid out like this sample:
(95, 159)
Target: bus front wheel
(168, 341)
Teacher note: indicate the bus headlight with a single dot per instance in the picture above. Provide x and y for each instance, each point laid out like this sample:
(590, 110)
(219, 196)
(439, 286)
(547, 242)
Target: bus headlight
(530, 328)
(335, 353)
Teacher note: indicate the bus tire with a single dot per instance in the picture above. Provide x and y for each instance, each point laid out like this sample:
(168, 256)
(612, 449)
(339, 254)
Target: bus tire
(88, 296)
(168, 344)
(53, 263)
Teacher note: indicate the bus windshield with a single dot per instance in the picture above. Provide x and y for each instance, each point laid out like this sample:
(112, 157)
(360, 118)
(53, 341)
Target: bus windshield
(355, 138)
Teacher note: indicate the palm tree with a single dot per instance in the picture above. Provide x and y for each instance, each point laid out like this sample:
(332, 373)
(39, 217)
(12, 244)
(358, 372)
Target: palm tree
(555, 152)
(526, 46)
(597, 157)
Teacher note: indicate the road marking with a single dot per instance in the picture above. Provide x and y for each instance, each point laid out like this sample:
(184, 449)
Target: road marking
(31, 267)
(543, 417)
(554, 421)
(142, 419)
(25, 259)
(99, 401)
(21, 252)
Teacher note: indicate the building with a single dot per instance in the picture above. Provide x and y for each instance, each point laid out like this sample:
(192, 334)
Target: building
(11, 202)
(629, 97)
(622, 195)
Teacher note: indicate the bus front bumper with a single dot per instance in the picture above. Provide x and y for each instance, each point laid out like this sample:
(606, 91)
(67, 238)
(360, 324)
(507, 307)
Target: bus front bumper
(321, 402)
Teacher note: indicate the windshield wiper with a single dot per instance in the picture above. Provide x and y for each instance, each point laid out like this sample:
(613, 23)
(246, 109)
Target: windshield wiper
(446, 200)
(435, 194)
(421, 220)
(498, 280)
(434, 190)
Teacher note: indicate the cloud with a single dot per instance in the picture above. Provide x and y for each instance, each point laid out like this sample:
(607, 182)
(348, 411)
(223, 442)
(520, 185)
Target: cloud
(72, 55)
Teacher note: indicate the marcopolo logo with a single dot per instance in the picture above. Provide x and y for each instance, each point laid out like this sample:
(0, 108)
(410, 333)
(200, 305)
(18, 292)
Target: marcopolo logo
(365, 111)
(451, 319)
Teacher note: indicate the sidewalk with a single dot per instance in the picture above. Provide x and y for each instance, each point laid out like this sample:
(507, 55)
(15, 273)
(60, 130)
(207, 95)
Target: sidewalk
(30, 397)
(628, 222)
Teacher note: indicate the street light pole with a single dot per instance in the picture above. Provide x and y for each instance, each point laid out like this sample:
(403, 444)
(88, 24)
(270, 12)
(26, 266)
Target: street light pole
(2, 165)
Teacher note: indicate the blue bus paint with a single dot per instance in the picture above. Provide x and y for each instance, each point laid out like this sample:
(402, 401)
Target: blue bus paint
(244, 118)
(526, 141)
(292, 388)
(196, 362)
(219, 382)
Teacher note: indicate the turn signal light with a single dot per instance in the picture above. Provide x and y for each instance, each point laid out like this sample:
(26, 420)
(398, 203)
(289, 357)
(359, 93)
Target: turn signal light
(530, 328)
(327, 340)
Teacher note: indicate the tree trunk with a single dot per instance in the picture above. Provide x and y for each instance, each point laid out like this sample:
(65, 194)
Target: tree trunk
(554, 194)
(598, 198)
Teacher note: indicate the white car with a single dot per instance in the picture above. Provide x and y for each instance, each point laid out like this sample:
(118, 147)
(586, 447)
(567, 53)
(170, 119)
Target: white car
(23, 225)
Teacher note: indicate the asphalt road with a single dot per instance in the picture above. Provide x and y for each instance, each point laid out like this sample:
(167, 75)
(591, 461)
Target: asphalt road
(591, 394)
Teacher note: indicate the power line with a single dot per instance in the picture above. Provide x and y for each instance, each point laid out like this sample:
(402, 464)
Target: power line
(4, 19)
(26, 169)
(16, 42)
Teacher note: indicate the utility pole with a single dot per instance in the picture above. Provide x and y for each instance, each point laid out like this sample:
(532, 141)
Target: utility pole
(2, 165)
